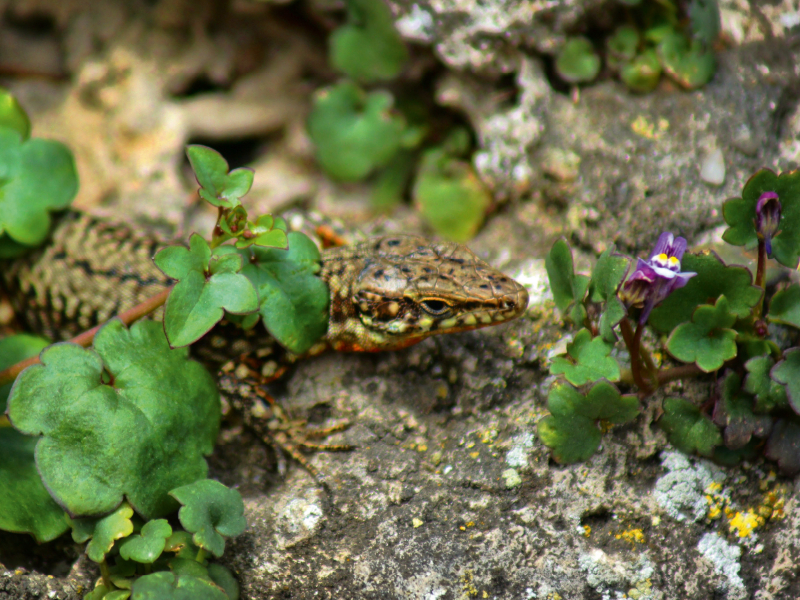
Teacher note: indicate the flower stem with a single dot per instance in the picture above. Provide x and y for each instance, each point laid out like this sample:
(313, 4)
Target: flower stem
(87, 337)
(633, 342)
(760, 274)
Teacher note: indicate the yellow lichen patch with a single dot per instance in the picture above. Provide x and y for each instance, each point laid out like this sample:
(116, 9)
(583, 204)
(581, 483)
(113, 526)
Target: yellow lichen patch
(772, 507)
(717, 502)
(488, 436)
(645, 128)
(773, 504)
(643, 589)
(743, 523)
(634, 536)
(587, 531)
(468, 589)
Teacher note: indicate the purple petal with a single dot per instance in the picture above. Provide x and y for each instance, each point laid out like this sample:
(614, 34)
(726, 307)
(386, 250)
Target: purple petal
(678, 248)
(662, 245)
(643, 271)
(681, 279)
(670, 245)
(764, 198)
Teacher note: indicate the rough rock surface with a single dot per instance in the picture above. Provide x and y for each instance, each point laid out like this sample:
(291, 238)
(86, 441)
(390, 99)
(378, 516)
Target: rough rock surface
(449, 493)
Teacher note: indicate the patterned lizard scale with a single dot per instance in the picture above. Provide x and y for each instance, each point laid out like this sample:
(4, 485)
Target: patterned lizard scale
(385, 293)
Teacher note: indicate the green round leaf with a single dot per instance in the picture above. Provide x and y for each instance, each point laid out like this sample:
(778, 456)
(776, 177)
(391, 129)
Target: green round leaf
(180, 542)
(368, 48)
(769, 393)
(739, 214)
(36, 176)
(450, 196)
(25, 504)
(588, 360)
(12, 115)
(198, 302)
(561, 274)
(577, 62)
(189, 567)
(608, 273)
(107, 530)
(784, 307)
(136, 438)
(98, 593)
(571, 439)
(690, 65)
(713, 280)
(210, 511)
(354, 133)
(149, 544)
(13, 349)
(708, 341)
(614, 312)
(642, 73)
(266, 233)
(572, 431)
(787, 372)
(224, 579)
(178, 261)
(169, 586)
(688, 429)
(294, 301)
(621, 47)
(217, 186)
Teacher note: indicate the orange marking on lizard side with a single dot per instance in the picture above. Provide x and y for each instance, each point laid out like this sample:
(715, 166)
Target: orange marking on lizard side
(329, 237)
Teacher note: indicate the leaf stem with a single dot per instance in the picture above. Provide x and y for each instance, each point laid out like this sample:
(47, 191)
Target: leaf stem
(682, 372)
(87, 337)
(219, 236)
(106, 575)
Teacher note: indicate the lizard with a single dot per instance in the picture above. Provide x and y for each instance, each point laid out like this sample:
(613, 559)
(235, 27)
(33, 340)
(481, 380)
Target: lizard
(385, 293)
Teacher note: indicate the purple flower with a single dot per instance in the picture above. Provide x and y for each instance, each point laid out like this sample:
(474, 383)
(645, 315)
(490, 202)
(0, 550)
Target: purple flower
(768, 217)
(657, 277)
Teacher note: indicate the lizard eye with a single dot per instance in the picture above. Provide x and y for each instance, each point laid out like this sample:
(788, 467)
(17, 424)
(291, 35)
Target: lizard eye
(435, 307)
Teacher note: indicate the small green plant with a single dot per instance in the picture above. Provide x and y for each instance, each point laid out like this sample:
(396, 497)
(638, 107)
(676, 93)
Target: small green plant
(577, 62)
(368, 48)
(378, 136)
(37, 176)
(447, 191)
(701, 312)
(658, 38)
(110, 440)
(355, 133)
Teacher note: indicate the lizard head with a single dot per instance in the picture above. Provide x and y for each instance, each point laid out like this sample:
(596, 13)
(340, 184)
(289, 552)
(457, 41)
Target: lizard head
(402, 289)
